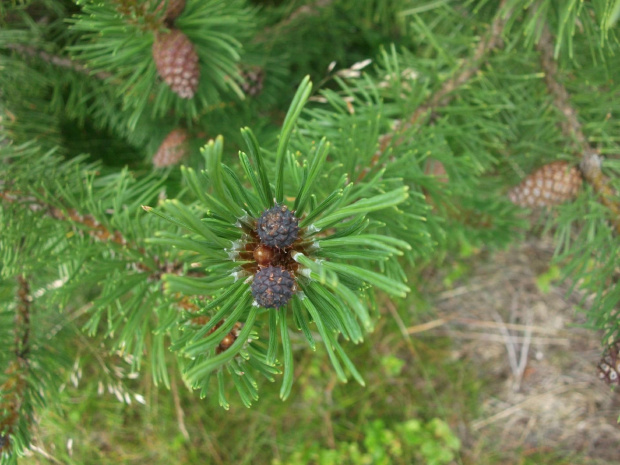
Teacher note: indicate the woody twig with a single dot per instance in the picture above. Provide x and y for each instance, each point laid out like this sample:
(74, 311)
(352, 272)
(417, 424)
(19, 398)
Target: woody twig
(56, 60)
(94, 228)
(573, 130)
(444, 95)
(22, 320)
(13, 390)
(301, 12)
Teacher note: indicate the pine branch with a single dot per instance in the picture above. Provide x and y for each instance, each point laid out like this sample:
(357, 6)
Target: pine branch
(301, 12)
(56, 60)
(140, 14)
(97, 231)
(443, 96)
(306, 10)
(13, 389)
(573, 129)
(93, 227)
(315, 258)
(22, 320)
(208, 35)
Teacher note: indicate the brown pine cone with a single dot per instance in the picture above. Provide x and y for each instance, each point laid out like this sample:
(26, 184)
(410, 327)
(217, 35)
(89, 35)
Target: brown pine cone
(177, 62)
(551, 184)
(435, 168)
(174, 8)
(172, 149)
(609, 366)
(253, 79)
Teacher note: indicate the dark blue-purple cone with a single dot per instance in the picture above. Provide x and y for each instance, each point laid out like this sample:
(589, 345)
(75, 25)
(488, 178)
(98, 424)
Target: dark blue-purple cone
(278, 227)
(273, 287)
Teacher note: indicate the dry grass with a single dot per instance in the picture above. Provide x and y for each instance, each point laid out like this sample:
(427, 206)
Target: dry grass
(541, 387)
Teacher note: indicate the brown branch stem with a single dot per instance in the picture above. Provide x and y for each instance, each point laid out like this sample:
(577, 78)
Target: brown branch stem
(12, 391)
(93, 228)
(61, 62)
(302, 11)
(22, 320)
(573, 130)
(444, 95)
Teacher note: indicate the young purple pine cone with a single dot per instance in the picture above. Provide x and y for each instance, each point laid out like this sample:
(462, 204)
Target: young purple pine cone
(278, 227)
(273, 287)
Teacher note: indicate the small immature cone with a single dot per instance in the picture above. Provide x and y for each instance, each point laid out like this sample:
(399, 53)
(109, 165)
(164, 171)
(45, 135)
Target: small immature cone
(253, 79)
(174, 8)
(177, 62)
(229, 339)
(552, 184)
(435, 168)
(609, 366)
(172, 149)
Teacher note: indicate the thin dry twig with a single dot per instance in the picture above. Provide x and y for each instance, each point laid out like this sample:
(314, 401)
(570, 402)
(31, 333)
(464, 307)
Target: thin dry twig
(179, 409)
(488, 337)
(479, 424)
(517, 364)
(525, 348)
(458, 291)
(511, 326)
(429, 325)
(508, 342)
(44, 453)
(403, 329)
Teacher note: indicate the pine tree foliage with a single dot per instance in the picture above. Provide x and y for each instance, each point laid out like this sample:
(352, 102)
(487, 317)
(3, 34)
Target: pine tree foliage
(71, 252)
(116, 38)
(422, 117)
(334, 228)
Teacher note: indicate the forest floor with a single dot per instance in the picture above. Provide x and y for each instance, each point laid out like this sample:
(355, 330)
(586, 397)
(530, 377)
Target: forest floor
(541, 390)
